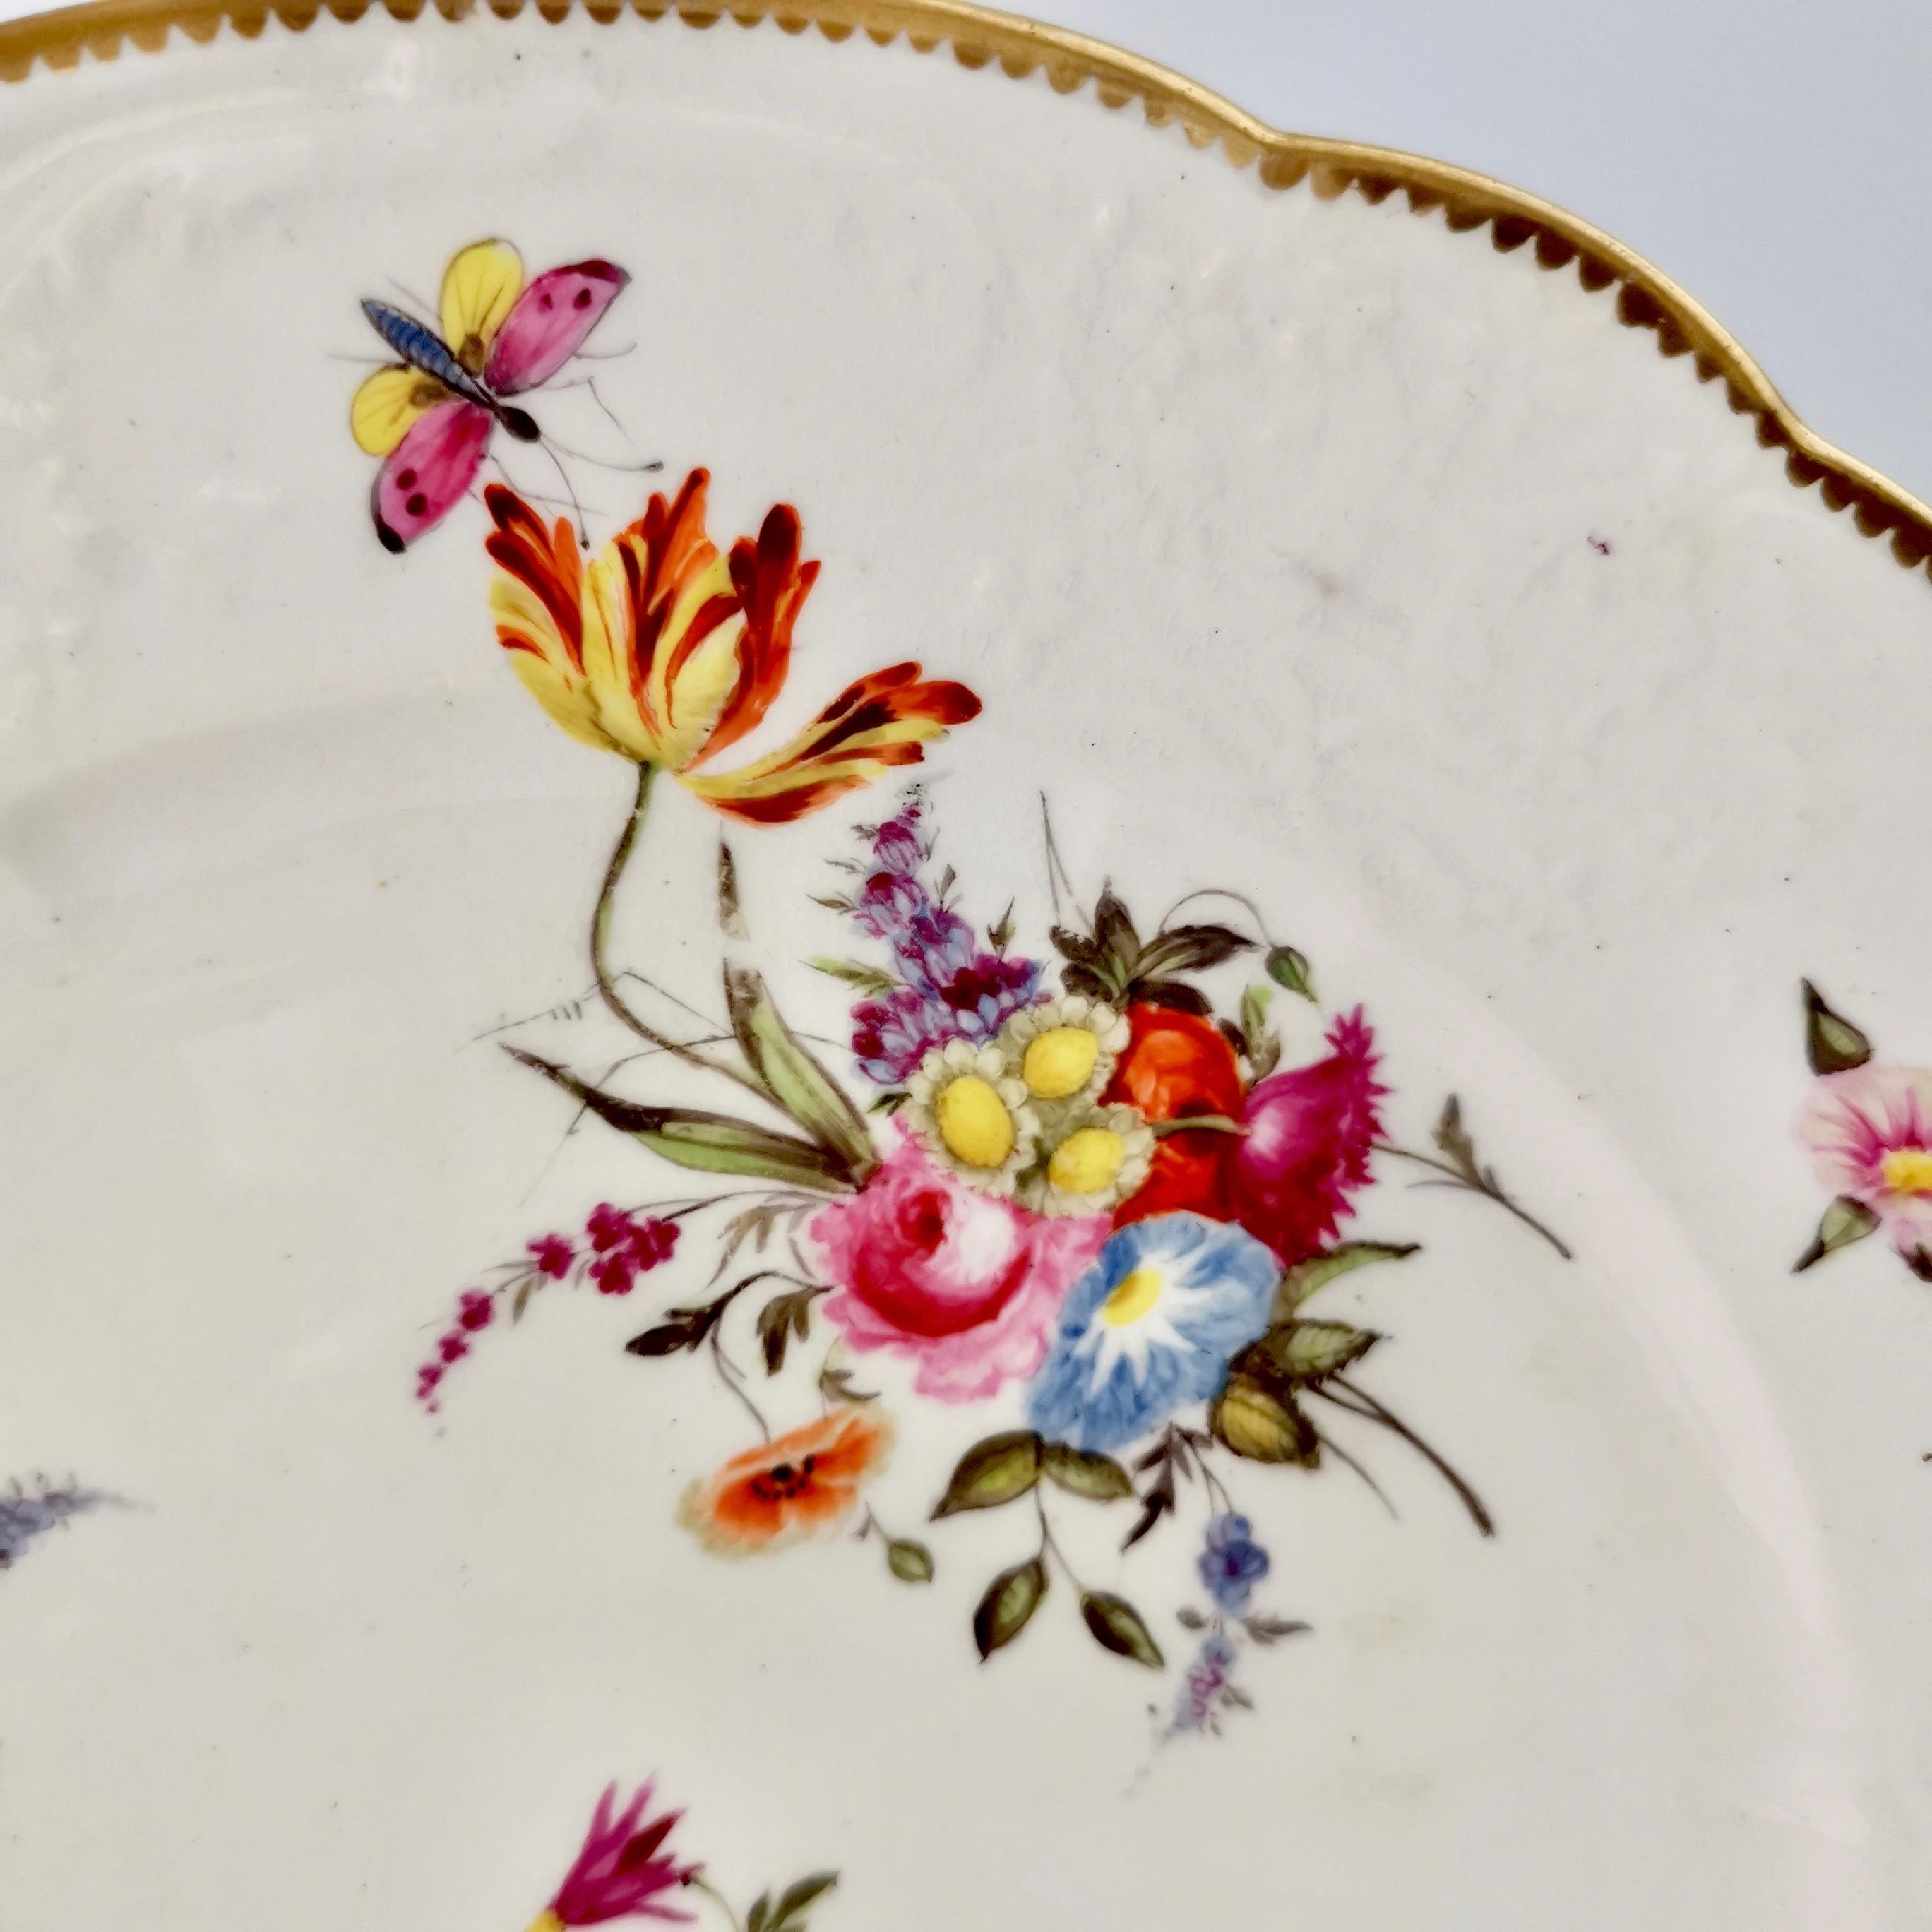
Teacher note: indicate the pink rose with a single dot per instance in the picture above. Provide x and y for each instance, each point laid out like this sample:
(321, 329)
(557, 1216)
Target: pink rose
(1870, 1133)
(1309, 1133)
(968, 1285)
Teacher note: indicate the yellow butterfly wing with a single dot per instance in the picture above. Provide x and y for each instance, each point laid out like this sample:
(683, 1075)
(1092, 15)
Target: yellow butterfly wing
(386, 407)
(480, 287)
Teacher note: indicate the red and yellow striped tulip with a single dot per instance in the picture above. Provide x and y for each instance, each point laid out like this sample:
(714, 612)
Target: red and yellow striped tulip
(665, 652)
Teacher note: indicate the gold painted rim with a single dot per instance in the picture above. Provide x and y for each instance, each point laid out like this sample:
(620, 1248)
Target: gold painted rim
(1646, 297)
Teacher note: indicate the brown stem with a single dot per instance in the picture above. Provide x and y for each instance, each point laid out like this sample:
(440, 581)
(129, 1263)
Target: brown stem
(1365, 1405)
(1483, 1185)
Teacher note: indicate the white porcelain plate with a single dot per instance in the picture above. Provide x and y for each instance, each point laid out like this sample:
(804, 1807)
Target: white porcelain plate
(871, 948)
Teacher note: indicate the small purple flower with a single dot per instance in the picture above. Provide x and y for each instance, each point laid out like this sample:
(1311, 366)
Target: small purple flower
(1232, 1563)
(888, 904)
(952, 987)
(1207, 1677)
(25, 1515)
(890, 1036)
(897, 845)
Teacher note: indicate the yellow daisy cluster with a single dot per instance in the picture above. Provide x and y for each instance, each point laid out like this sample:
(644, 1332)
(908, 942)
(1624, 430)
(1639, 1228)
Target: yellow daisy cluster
(1023, 1117)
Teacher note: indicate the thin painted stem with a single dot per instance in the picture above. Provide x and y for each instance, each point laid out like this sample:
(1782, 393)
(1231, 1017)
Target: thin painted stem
(729, 1374)
(1365, 1405)
(1455, 1178)
(1048, 1542)
(1220, 892)
(699, 1882)
(1349, 1461)
(600, 940)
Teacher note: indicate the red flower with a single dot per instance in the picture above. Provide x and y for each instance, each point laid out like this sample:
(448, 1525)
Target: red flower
(1310, 1131)
(552, 1255)
(1176, 1064)
(616, 1273)
(619, 1873)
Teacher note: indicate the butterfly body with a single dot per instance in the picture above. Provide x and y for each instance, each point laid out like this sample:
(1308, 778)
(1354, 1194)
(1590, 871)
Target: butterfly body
(431, 415)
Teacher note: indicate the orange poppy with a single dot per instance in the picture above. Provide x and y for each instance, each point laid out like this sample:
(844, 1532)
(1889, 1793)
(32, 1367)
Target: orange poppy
(799, 1485)
(667, 651)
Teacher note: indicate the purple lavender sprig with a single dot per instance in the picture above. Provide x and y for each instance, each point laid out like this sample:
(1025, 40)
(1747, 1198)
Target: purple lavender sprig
(26, 1513)
(950, 986)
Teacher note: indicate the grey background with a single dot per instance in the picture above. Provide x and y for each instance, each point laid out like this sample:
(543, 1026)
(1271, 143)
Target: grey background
(1771, 155)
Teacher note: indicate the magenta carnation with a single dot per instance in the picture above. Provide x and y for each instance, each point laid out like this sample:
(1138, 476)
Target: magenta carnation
(967, 1284)
(1309, 1133)
(623, 1868)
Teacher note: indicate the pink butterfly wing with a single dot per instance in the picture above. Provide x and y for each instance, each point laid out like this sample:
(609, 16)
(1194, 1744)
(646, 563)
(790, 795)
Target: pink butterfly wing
(424, 477)
(550, 323)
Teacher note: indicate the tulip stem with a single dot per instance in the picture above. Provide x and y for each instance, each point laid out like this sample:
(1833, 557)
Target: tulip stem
(600, 940)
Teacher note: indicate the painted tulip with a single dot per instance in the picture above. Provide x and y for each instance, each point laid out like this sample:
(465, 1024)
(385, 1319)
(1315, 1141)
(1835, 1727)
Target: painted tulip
(666, 651)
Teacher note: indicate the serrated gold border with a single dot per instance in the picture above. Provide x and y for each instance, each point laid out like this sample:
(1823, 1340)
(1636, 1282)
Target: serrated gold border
(1646, 297)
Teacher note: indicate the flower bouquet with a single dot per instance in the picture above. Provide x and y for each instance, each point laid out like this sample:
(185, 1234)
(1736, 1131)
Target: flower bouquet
(1060, 1171)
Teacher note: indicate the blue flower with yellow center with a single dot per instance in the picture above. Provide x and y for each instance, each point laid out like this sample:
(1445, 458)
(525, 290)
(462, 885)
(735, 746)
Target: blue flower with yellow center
(1149, 1328)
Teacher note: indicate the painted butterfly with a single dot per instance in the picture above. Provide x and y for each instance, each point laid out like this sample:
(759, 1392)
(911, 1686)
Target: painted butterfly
(430, 415)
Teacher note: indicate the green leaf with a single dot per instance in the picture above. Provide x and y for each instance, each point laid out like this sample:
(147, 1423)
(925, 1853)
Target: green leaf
(1258, 1041)
(1306, 1277)
(889, 1103)
(1190, 1620)
(1261, 1423)
(1189, 948)
(1846, 1221)
(1307, 1351)
(1116, 1626)
(910, 1562)
(1290, 970)
(731, 915)
(758, 1919)
(1000, 934)
(781, 1318)
(1082, 1474)
(995, 1471)
(1272, 1629)
(1010, 1601)
(1113, 932)
(1188, 1124)
(1831, 1043)
(792, 1078)
(682, 1328)
(867, 979)
(1452, 1139)
(835, 1384)
(713, 1143)
(797, 1899)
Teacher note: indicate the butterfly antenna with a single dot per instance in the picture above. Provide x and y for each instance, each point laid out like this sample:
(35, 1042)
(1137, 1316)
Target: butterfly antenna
(600, 462)
(361, 361)
(410, 295)
(590, 383)
(545, 497)
(583, 533)
(605, 355)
